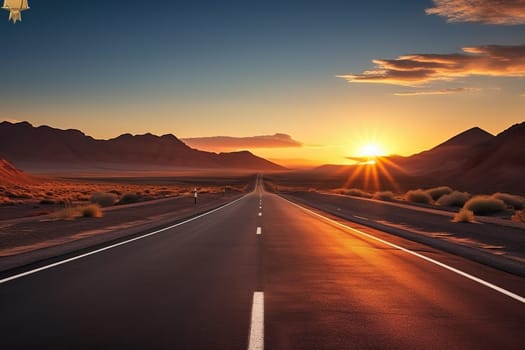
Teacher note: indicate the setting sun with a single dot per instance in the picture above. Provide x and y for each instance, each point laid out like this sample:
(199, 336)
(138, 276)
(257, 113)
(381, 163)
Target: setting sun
(371, 150)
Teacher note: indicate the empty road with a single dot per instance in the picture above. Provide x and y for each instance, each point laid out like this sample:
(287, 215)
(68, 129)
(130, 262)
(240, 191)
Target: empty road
(259, 273)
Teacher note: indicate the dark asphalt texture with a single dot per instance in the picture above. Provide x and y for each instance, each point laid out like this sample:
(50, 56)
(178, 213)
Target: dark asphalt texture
(191, 287)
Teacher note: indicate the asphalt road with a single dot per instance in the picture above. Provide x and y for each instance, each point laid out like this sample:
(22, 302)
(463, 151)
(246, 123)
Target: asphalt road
(284, 279)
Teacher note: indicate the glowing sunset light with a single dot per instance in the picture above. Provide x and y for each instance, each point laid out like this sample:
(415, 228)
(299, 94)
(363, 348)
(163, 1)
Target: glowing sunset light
(371, 150)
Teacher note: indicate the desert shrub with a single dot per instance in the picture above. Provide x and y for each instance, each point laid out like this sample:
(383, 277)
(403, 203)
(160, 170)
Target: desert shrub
(47, 201)
(454, 199)
(513, 201)
(484, 205)
(355, 192)
(130, 197)
(384, 196)
(464, 215)
(519, 216)
(118, 193)
(91, 211)
(104, 199)
(438, 192)
(418, 196)
(67, 213)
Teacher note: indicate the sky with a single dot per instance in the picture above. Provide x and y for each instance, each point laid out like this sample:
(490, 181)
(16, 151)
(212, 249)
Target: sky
(299, 82)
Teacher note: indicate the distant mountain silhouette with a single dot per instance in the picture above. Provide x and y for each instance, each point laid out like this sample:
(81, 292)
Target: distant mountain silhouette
(498, 164)
(473, 160)
(9, 175)
(44, 147)
(448, 155)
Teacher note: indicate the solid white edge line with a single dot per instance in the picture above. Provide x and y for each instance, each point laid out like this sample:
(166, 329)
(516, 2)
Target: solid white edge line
(259, 231)
(421, 256)
(42, 268)
(256, 340)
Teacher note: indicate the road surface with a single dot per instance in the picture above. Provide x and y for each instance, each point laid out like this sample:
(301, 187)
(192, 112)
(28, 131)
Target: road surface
(259, 273)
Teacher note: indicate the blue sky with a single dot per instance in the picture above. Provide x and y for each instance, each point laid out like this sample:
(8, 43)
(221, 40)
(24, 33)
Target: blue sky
(239, 68)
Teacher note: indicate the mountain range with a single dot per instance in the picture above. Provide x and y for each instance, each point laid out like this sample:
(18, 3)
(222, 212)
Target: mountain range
(473, 160)
(36, 148)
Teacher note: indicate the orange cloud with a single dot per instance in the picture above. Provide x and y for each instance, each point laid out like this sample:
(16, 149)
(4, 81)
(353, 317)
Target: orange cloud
(437, 92)
(418, 69)
(508, 12)
(225, 143)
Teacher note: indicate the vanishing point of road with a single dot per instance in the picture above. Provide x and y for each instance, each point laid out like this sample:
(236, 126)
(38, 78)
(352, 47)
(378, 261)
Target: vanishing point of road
(262, 272)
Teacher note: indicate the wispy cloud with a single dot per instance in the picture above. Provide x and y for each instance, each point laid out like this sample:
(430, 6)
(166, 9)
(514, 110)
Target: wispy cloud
(508, 12)
(227, 143)
(437, 92)
(418, 69)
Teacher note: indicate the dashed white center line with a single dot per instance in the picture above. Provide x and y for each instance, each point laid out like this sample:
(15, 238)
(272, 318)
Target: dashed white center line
(260, 214)
(259, 231)
(256, 340)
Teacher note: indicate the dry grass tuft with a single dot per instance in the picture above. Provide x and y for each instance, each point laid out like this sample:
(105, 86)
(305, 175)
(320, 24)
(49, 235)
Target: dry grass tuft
(354, 192)
(519, 216)
(71, 213)
(454, 199)
(438, 192)
(67, 213)
(104, 199)
(91, 211)
(516, 202)
(418, 196)
(384, 196)
(464, 215)
(131, 197)
(484, 205)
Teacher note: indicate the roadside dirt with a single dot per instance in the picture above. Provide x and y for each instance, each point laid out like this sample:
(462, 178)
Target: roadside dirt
(27, 240)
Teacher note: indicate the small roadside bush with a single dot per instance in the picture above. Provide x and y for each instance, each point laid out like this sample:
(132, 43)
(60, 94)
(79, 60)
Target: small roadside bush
(418, 196)
(354, 192)
(519, 216)
(104, 199)
(91, 211)
(454, 199)
(438, 192)
(67, 213)
(464, 215)
(71, 213)
(130, 197)
(516, 202)
(484, 205)
(384, 196)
